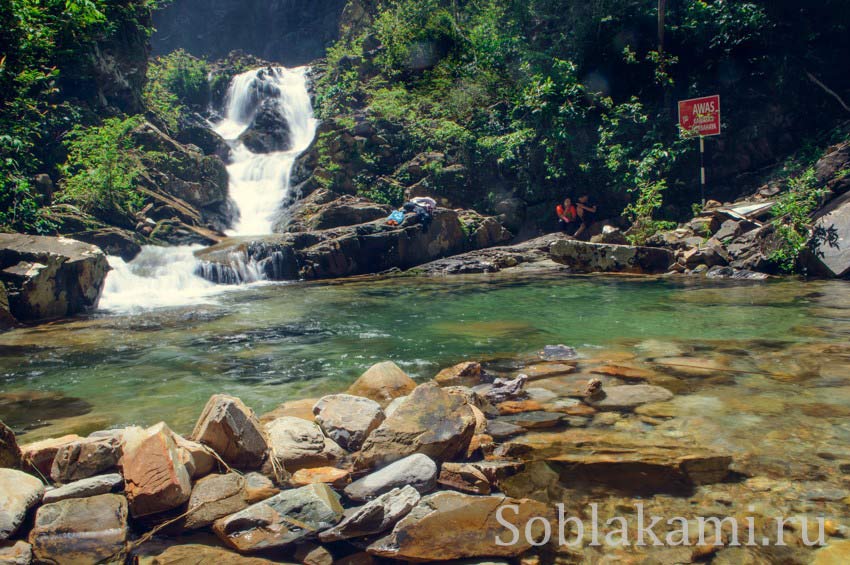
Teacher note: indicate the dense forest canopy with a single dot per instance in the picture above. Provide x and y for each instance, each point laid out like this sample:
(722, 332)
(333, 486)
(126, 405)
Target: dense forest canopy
(526, 99)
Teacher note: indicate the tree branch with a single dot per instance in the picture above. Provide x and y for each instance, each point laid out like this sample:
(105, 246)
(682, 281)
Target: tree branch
(832, 93)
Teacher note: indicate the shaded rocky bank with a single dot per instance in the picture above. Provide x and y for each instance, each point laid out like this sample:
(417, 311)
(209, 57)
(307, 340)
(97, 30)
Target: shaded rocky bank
(377, 473)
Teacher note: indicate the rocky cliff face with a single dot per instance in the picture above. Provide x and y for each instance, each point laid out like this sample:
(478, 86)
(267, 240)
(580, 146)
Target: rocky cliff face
(292, 32)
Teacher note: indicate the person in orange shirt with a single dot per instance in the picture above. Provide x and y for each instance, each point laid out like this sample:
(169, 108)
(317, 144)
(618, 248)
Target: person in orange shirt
(567, 216)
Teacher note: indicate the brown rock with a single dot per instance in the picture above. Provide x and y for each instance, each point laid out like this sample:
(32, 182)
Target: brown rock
(310, 553)
(198, 554)
(214, 497)
(40, 455)
(298, 444)
(259, 487)
(81, 531)
(155, 478)
(10, 453)
(518, 406)
(231, 429)
(430, 421)
(450, 525)
(337, 478)
(17, 553)
(466, 373)
(347, 419)
(383, 382)
(198, 458)
(298, 408)
(464, 477)
(19, 492)
(548, 370)
(85, 458)
(623, 372)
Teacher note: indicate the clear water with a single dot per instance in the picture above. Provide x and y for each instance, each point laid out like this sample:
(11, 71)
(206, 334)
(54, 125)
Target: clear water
(278, 342)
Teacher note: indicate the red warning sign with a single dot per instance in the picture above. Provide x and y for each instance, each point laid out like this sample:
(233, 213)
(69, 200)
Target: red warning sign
(700, 116)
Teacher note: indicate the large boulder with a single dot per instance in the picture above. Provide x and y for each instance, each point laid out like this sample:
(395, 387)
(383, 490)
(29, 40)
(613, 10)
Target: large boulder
(18, 493)
(85, 458)
(232, 430)
(10, 453)
(830, 253)
(298, 444)
(83, 530)
(430, 421)
(451, 525)
(418, 471)
(584, 257)
(282, 520)
(40, 454)
(269, 130)
(382, 383)
(50, 277)
(375, 517)
(156, 478)
(347, 419)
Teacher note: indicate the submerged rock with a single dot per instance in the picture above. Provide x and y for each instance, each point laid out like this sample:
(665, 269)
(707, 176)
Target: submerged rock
(348, 419)
(231, 429)
(418, 471)
(299, 444)
(430, 421)
(156, 479)
(375, 517)
(282, 520)
(50, 277)
(18, 493)
(450, 525)
(85, 488)
(84, 530)
(629, 397)
(382, 383)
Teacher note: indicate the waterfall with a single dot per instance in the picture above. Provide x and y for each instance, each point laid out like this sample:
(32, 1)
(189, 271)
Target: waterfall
(258, 184)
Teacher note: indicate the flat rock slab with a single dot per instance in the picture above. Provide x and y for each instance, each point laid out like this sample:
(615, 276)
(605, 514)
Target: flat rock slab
(347, 419)
(18, 493)
(584, 257)
(85, 488)
(430, 421)
(449, 525)
(499, 429)
(289, 517)
(81, 530)
(375, 517)
(337, 478)
(418, 471)
(198, 554)
(382, 383)
(533, 420)
(629, 397)
(540, 371)
(232, 430)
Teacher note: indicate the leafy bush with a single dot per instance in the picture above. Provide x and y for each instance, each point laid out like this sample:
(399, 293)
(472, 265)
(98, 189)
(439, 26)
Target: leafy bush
(792, 218)
(175, 81)
(102, 167)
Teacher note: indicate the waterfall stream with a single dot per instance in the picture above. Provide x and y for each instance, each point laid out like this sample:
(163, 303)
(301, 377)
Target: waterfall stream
(258, 185)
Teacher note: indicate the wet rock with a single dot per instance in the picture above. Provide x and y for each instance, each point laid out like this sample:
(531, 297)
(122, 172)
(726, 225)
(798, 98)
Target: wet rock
(40, 455)
(18, 493)
(468, 372)
(85, 458)
(418, 471)
(558, 353)
(337, 478)
(85, 488)
(156, 480)
(346, 210)
(581, 256)
(629, 397)
(348, 419)
(430, 421)
(10, 453)
(533, 420)
(382, 383)
(450, 525)
(282, 520)
(231, 429)
(499, 429)
(269, 130)
(50, 277)
(503, 389)
(496, 471)
(464, 477)
(623, 372)
(199, 554)
(214, 497)
(17, 553)
(299, 444)
(375, 517)
(518, 406)
(81, 530)
(548, 370)
(112, 241)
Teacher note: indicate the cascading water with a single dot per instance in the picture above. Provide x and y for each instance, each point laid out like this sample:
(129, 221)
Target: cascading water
(258, 184)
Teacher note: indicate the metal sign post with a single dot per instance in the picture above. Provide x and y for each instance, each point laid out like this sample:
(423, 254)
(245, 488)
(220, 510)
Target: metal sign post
(700, 117)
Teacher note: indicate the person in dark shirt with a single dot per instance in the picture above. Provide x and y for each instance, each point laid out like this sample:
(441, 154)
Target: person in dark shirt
(586, 213)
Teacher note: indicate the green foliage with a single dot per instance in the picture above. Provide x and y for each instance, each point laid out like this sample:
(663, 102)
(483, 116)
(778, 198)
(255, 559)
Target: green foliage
(641, 212)
(792, 218)
(175, 81)
(102, 167)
